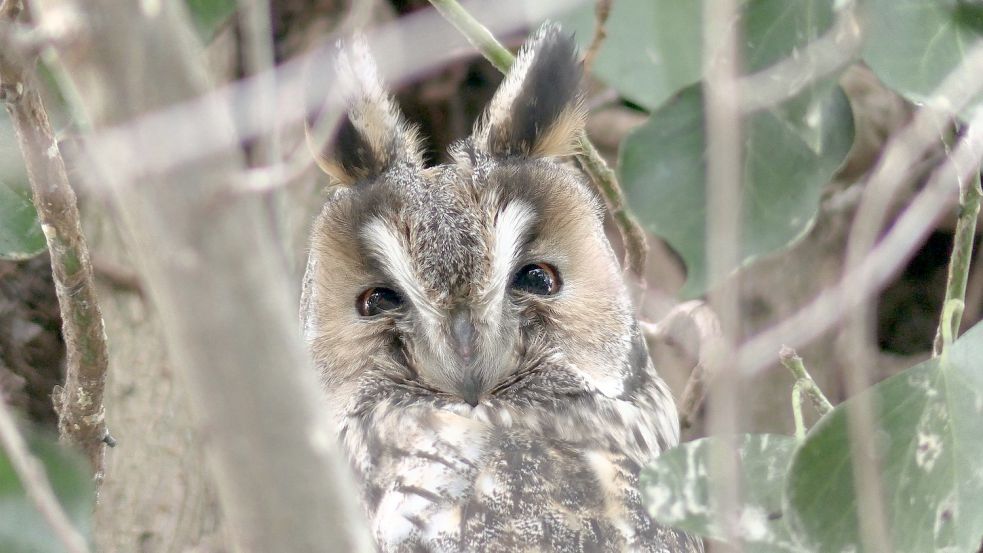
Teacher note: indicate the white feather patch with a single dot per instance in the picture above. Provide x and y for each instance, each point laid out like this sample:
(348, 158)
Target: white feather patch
(391, 253)
(511, 225)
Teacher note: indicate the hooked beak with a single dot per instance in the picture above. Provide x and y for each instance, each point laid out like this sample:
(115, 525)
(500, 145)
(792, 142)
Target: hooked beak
(470, 386)
(463, 334)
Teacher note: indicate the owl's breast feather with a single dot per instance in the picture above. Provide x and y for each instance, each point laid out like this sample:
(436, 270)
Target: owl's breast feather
(488, 479)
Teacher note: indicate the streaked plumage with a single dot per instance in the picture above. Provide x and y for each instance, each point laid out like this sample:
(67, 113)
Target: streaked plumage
(481, 416)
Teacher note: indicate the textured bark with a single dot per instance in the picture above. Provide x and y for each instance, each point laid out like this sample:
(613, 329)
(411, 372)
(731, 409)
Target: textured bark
(157, 495)
(81, 418)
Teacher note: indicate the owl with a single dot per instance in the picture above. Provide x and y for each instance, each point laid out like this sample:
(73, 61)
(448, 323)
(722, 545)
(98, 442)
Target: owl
(475, 341)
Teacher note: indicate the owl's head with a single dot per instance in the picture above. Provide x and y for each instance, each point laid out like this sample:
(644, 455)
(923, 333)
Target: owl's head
(467, 282)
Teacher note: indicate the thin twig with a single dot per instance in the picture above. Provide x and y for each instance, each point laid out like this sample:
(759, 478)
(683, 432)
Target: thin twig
(632, 235)
(593, 164)
(476, 33)
(31, 474)
(602, 10)
(793, 363)
(800, 427)
(899, 157)
(256, 44)
(81, 417)
(962, 254)
(677, 326)
(952, 311)
(321, 123)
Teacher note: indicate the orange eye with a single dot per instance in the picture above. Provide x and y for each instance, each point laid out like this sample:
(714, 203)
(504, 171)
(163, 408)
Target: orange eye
(537, 278)
(375, 301)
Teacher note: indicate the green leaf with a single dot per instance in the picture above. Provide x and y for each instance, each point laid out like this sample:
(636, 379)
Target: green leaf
(678, 490)
(662, 168)
(653, 48)
(930, 441)
(913, 44)
(22, 528)
(20, 231)
(208, 16)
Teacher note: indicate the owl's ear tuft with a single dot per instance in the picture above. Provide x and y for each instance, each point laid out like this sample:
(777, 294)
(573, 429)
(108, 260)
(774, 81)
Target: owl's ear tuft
(537, 111)
(374, 136)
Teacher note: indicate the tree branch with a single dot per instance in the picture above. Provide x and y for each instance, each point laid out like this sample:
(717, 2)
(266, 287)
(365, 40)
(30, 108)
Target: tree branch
(207, 258)
(677, 326)
(604, 178)
(602, 10)
(723, 126)
(81, 417)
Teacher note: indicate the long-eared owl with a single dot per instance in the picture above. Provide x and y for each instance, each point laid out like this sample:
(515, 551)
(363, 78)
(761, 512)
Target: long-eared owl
(473, 334)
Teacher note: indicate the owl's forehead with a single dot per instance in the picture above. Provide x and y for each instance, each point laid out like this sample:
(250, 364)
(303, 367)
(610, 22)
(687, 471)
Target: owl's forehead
(451, 231)
(430, 227)
(448, 232)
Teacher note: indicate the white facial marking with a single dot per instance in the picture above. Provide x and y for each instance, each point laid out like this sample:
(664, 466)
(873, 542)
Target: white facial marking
(391, 253)
(511, 225)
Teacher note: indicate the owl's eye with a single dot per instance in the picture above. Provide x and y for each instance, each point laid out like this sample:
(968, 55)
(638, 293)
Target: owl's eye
(377, 300)
(537, 278)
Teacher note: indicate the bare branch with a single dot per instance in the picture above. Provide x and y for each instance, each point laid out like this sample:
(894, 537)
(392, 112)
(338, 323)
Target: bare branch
(30, 471)
(81, 417)
(476, 33)
(602, 10)
(632, 235)
(721, 40)
(683, 320)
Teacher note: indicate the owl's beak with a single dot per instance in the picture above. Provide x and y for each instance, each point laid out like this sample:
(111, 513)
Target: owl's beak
(463, 333)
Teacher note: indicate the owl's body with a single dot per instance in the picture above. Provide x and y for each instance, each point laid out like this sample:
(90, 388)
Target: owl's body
(475, 340)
